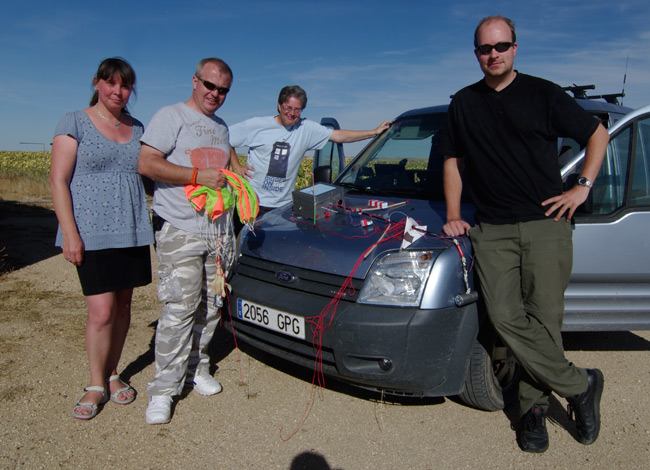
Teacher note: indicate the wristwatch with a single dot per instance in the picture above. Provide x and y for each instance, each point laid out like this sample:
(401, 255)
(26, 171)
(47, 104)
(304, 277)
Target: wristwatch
(582, 181)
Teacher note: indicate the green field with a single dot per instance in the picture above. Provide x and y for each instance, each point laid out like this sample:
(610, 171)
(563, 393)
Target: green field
(24, 175)
(25, 163)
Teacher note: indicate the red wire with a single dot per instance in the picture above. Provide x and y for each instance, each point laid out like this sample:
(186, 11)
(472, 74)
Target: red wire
(318, 325)
(234, 337)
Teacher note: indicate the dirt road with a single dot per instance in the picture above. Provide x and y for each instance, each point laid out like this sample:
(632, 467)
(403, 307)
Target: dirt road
(43, 370)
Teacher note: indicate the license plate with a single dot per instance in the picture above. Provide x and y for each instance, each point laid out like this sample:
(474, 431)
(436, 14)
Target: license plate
(272, 319)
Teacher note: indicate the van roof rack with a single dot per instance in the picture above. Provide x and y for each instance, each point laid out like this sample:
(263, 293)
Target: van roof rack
(580, 92)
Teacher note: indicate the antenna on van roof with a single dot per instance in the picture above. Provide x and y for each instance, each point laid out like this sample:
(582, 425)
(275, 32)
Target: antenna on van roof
(624, 78)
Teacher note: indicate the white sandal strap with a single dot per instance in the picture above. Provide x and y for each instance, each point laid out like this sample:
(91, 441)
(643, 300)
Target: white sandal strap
(95, 388)
(114, 377)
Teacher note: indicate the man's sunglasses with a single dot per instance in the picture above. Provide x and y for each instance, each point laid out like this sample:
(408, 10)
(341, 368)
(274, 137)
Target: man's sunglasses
(212, 87)
(485, 49)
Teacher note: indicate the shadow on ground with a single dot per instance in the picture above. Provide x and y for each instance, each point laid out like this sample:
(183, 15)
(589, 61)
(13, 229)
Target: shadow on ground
(27, 235)
(221, 346)
(604, 341)
(310, 461)
(584, 341)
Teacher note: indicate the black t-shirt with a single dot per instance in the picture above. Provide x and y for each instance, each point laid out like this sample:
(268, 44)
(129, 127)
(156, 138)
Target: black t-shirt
(508, 142)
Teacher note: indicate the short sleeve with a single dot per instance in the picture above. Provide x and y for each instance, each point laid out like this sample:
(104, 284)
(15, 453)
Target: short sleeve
(319, 135)
(68, 125)
(572, 120)
(162, 131)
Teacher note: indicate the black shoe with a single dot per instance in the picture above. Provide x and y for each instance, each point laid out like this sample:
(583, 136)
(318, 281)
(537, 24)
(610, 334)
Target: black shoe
(531, 432)
(586, 408)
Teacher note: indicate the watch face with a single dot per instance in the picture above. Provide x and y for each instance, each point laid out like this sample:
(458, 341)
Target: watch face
(582, 181)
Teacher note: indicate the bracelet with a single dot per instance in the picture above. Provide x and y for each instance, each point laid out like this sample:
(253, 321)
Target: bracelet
(195, 172)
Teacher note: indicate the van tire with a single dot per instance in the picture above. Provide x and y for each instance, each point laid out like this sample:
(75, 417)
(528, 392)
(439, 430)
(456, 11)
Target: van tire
(482, 388)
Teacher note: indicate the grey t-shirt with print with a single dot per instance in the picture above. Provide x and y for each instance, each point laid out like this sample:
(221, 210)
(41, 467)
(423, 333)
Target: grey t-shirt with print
(192, 139)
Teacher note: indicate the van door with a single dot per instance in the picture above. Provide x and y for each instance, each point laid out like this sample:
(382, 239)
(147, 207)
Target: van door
(610, 282)
(330, 160)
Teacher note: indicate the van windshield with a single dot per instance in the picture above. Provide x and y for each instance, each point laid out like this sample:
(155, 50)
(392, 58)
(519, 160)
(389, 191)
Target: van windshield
(403, 161)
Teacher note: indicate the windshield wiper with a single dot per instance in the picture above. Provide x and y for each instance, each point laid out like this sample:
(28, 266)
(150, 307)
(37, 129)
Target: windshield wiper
(356, 187)
(419, 193)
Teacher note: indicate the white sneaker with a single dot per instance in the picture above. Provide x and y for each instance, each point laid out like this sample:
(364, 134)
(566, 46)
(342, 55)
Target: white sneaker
(206, 385)
(159, 409)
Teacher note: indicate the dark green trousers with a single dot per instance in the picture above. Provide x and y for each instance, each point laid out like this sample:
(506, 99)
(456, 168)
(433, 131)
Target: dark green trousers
(523, 270)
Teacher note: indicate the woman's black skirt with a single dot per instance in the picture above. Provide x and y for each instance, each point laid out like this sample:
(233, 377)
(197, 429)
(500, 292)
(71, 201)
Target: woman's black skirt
(114, 269)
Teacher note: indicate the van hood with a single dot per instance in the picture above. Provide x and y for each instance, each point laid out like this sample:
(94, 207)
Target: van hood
(336, 242)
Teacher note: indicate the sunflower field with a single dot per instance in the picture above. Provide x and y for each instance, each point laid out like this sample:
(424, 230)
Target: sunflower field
(25, 163)
(27, 173)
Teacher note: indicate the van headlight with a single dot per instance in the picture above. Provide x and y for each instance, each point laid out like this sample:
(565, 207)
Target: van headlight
(398, 279)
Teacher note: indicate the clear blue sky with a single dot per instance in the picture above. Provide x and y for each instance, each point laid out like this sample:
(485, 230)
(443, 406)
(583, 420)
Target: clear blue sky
(359, 61)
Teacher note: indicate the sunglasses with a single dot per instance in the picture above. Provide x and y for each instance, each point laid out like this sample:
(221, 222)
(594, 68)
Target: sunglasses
(485, 49)
(212, 87)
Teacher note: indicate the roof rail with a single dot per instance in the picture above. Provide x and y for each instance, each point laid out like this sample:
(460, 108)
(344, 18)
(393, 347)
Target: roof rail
(580, 92)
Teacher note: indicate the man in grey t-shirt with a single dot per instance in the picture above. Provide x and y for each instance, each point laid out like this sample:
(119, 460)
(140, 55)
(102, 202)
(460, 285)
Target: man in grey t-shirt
(187, 144)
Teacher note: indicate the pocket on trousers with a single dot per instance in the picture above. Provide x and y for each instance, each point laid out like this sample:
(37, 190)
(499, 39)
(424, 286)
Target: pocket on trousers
(169, 288)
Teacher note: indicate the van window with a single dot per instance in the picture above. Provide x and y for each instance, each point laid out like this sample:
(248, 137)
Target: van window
(404, 160)
(640, 191)
(609, 190)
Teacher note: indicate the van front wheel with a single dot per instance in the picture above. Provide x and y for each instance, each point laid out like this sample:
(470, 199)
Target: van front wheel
(490, 376)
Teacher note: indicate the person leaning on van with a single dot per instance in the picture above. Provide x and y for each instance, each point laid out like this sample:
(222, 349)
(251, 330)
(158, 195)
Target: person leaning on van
(503, 130)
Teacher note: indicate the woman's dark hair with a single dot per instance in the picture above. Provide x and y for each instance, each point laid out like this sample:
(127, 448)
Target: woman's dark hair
(108, 69)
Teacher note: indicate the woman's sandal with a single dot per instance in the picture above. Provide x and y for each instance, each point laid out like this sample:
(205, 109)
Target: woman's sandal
(115, 396)
(93, 407)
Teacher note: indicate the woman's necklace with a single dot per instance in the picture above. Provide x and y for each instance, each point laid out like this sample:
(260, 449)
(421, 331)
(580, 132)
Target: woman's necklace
(117, 124)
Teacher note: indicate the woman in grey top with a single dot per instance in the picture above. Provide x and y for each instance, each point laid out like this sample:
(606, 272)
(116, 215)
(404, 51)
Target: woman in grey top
(104, 225)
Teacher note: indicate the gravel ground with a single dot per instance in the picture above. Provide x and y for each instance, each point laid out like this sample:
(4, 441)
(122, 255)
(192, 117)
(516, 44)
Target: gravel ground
(255, 423)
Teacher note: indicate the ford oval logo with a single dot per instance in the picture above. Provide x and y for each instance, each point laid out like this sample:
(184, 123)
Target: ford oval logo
(285, 276)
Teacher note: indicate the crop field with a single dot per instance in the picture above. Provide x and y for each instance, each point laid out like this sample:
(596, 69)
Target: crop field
(25, 163)
(24, 175)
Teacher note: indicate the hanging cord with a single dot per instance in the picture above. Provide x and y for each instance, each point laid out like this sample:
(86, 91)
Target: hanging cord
(392, 231)
(212, 237)
(463, 261)
(234, 337)
(313, 190)
(469, 296)
(319, 323)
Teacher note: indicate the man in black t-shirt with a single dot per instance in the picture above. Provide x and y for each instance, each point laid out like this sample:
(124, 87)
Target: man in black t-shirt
(503, 130)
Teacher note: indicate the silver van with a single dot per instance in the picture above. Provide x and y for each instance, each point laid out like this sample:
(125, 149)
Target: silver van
(326, 283)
